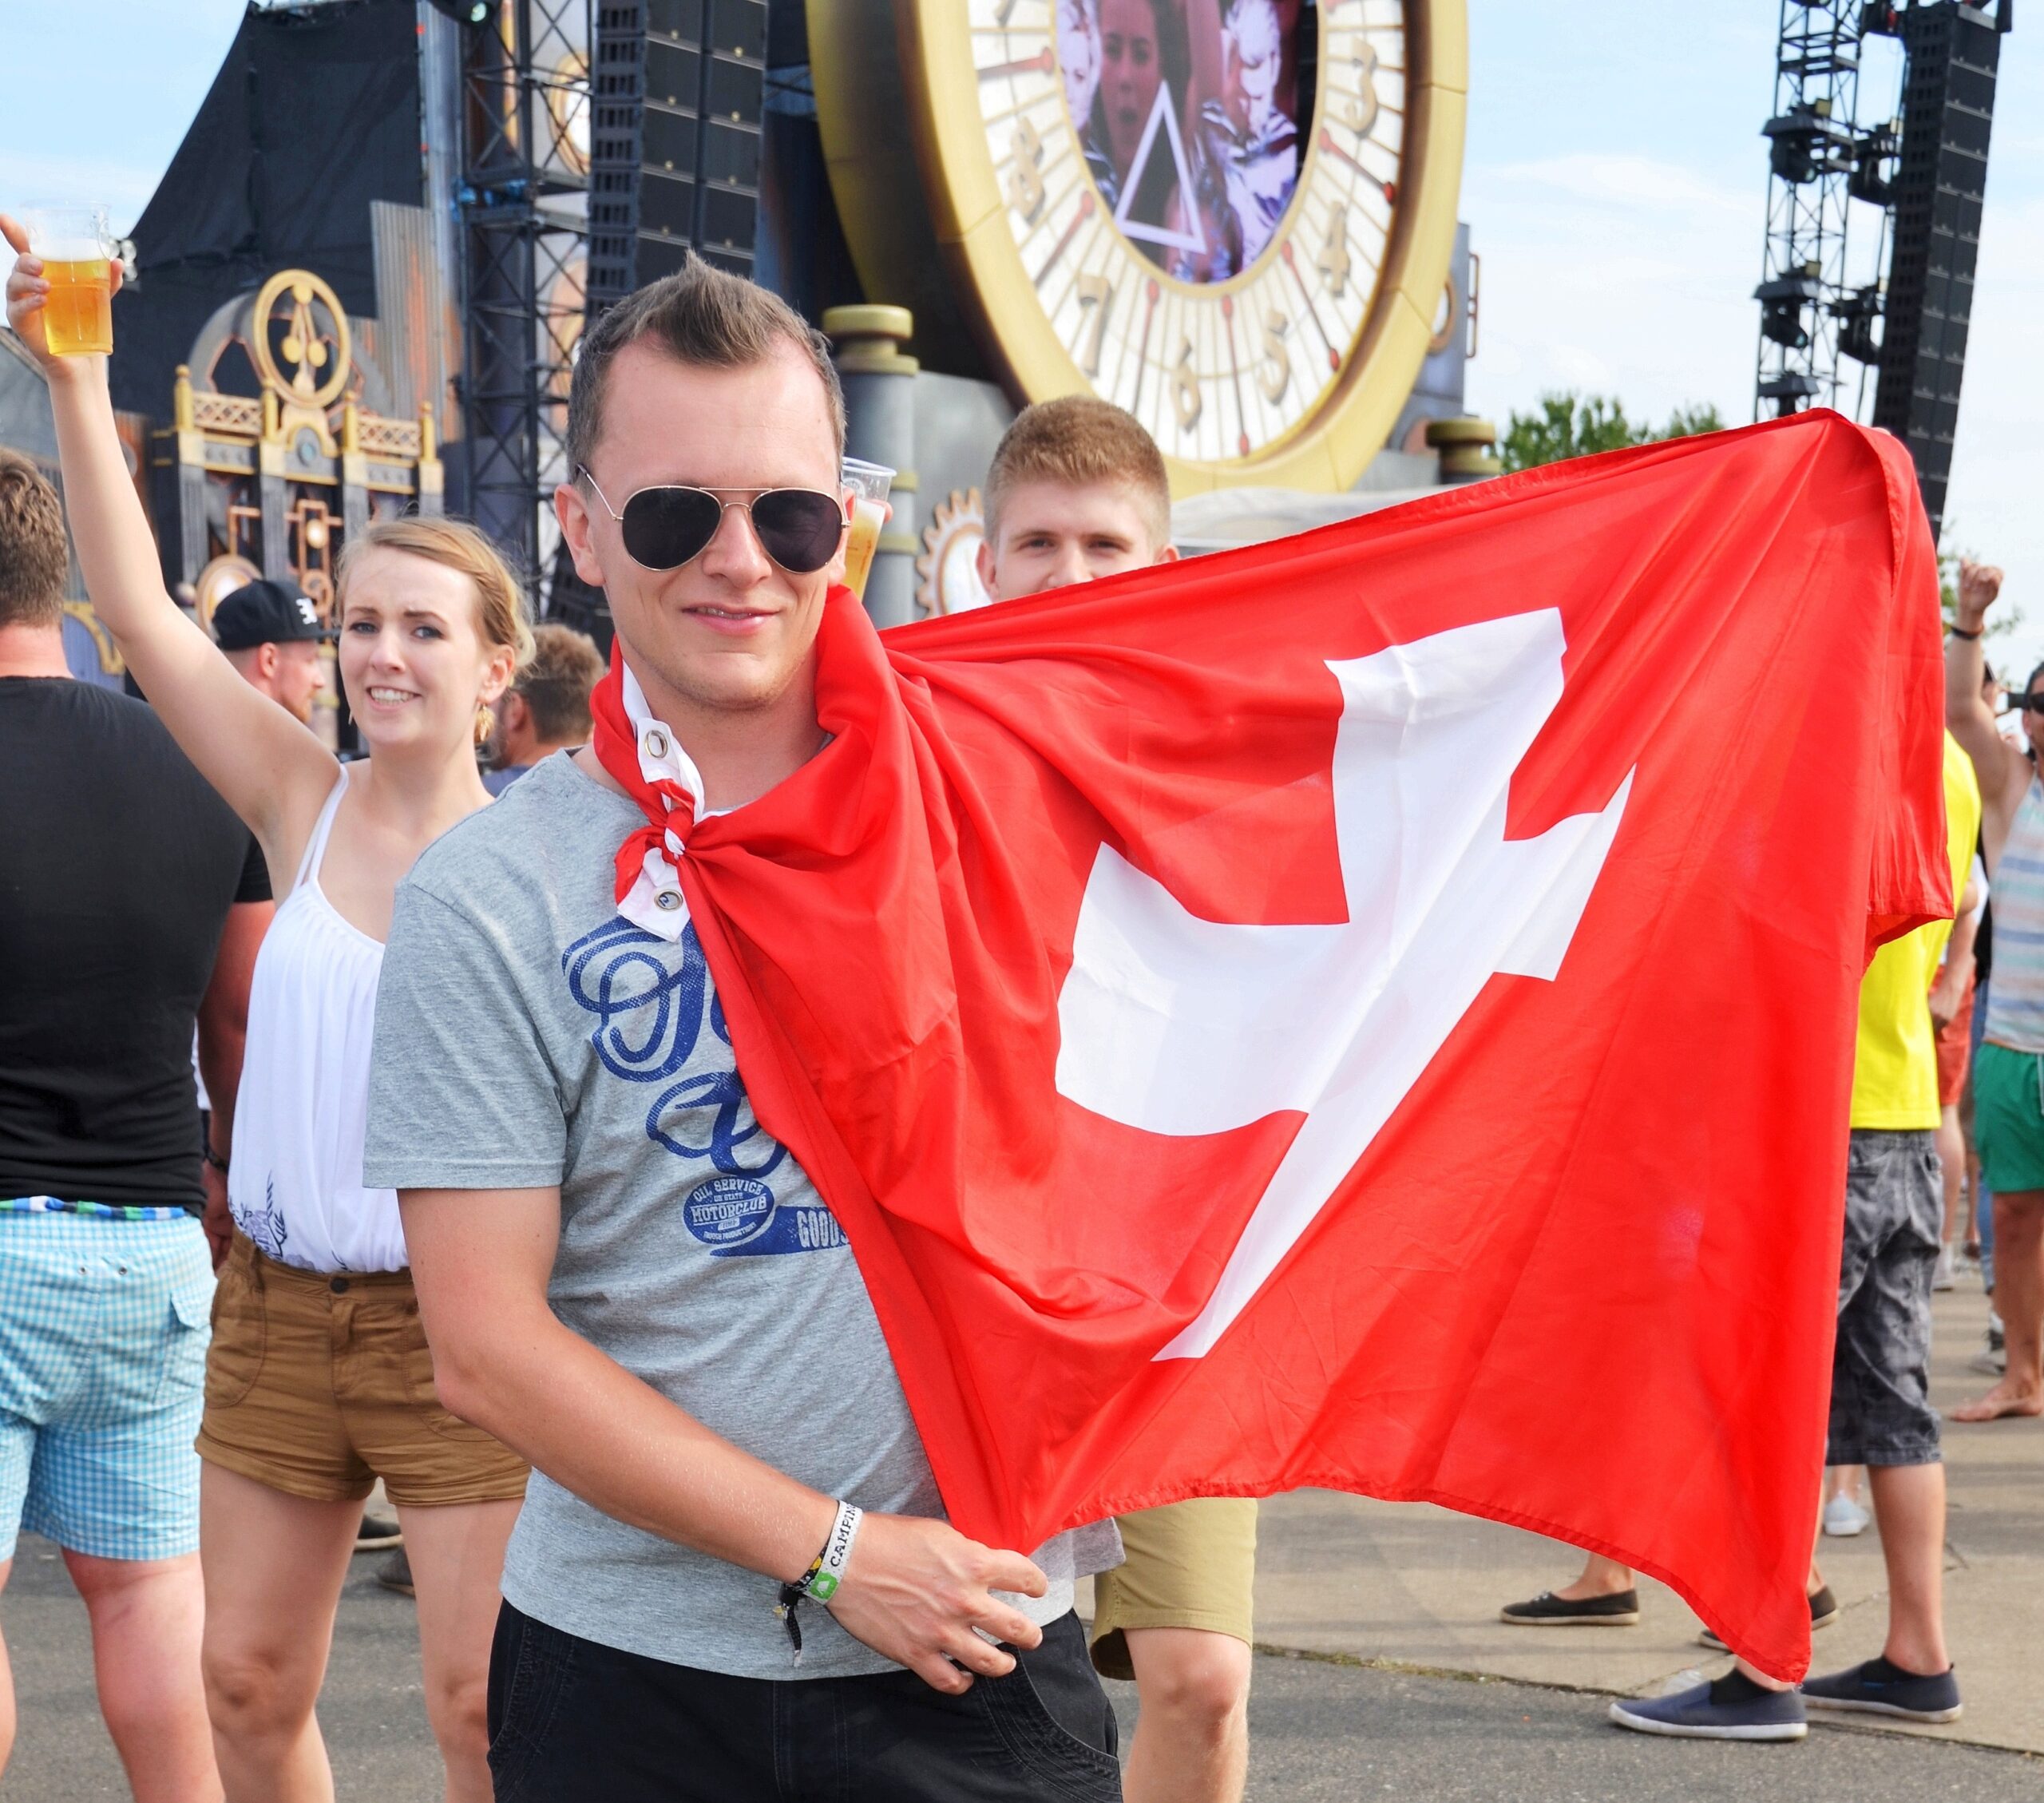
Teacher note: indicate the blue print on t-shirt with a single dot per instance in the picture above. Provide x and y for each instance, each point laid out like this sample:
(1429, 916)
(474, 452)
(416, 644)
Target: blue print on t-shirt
(649, 1025)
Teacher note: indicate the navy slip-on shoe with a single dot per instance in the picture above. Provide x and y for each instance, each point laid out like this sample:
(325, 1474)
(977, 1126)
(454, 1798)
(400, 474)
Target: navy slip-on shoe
(1621, 1609)
(1879, 1688)
(1698, 1715)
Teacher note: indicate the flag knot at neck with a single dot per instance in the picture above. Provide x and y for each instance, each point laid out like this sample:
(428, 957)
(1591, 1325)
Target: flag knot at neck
(644, 757)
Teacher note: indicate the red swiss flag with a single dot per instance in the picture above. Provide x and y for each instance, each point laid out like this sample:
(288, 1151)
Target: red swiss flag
(1374, 1010)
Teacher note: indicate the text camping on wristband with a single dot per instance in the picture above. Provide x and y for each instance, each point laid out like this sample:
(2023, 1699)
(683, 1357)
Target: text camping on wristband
(826, 1572)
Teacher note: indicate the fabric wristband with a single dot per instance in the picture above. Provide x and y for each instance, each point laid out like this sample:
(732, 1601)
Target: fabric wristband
(1961, 632)
(826, 1572)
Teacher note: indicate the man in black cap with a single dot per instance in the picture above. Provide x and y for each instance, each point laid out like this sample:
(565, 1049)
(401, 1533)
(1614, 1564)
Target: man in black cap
(273, 634)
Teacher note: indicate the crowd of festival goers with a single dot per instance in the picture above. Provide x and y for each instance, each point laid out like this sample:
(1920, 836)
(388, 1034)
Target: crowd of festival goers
(667, 1518)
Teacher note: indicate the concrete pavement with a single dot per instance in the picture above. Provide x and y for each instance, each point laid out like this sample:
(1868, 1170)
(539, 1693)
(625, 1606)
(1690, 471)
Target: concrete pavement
(1386, 1673)
(1412, 1585)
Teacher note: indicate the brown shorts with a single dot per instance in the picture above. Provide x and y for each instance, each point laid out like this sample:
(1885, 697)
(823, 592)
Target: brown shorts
(1189, 1564)
(318, 1385)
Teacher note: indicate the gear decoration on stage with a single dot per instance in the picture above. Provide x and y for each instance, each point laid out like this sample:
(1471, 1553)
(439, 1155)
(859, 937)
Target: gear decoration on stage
(1240, 229)
(948, 572)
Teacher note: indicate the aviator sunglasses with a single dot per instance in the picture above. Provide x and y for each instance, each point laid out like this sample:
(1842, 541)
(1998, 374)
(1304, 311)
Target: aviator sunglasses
(665, 527)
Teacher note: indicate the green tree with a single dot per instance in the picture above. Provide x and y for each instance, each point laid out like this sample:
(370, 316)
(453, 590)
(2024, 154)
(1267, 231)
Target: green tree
(1575, 424)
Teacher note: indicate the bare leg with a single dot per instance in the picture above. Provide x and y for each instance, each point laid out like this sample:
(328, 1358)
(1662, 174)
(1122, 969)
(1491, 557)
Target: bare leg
(6, 1685)
(274, 1565)
(1601, 1577)
(146, 1618)
(457, 1565)
(1909, 1504)
(1192, 1742)
(1951, 1160)
(2019, 1300)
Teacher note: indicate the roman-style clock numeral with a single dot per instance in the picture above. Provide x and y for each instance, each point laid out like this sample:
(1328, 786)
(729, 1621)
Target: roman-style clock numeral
(1333, 259)
(1096, 293)
(1185, 388)
(1275, 370)
(1025, 175)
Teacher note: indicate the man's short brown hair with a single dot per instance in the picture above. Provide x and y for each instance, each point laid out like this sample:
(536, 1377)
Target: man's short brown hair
(555, 685)
(700, 315)
(1083, 442)
(34, 557)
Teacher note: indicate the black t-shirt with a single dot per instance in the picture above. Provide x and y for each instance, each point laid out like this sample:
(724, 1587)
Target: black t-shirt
(118, 863)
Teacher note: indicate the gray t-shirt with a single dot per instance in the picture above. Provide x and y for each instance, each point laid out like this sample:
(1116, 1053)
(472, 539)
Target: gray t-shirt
(527, 1035)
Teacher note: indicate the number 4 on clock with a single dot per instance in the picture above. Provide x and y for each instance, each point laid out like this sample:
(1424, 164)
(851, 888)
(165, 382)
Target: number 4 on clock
(1333, 259)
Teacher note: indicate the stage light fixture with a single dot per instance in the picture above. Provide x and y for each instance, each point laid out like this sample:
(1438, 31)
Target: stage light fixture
(1806, 142)
(464, 12)
(1856, 314)
(1874, 153)
(1782, 302)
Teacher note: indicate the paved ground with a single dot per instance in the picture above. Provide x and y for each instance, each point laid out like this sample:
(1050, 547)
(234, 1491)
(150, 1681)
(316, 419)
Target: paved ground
(1498, 1713)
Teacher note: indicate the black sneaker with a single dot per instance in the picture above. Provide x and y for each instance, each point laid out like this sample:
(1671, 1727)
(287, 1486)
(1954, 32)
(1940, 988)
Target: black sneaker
(1620, 1609)
(397, 1575)
(379, 1533)
(1878, 1688)
(1734, 1708)
(1824, 1611)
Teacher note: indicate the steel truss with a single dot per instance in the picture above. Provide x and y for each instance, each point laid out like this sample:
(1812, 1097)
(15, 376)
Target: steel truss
(523, 206)
(1812, 146)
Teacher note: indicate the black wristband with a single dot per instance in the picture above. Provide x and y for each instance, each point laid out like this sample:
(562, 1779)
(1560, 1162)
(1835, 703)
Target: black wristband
(1961, 632)
(213, 1158)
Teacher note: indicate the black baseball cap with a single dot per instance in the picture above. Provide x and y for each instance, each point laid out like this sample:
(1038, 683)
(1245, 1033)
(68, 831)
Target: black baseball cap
(263, 612)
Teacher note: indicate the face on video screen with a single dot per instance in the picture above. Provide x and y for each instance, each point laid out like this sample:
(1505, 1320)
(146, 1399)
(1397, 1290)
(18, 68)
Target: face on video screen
(1192, 116)
(1200, 197)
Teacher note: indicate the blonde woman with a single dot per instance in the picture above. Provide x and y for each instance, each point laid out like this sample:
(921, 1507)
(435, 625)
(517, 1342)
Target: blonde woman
(318, 1380)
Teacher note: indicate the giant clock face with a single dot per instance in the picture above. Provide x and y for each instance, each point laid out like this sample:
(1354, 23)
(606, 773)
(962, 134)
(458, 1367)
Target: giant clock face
(1202, 201)
(1232, 217)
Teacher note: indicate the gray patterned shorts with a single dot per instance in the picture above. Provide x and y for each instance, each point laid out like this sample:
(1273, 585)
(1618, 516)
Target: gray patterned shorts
(1880, 1407)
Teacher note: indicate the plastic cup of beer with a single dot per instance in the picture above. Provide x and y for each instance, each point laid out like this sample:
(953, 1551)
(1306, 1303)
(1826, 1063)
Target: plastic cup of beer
(868, 483)
(77, 251)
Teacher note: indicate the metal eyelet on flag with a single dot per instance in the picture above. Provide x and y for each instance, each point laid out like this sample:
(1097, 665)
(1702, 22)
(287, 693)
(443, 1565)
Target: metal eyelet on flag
(668, 900)
(657, 742)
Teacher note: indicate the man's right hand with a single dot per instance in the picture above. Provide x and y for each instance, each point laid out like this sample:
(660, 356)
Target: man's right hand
(914, 1590)
(1979, 584)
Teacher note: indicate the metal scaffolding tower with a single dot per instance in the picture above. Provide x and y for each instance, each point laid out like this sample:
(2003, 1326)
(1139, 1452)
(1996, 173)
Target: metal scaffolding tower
(1811, 158)
(523, 203)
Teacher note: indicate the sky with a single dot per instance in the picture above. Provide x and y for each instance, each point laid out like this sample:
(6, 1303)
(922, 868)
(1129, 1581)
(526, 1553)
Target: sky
(1615, 184)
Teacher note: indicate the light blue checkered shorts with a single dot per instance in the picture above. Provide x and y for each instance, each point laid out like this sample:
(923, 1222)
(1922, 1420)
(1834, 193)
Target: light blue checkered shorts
(104, 1325)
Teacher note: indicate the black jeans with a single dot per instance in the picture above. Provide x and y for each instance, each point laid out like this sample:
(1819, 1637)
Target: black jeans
(573, 1721)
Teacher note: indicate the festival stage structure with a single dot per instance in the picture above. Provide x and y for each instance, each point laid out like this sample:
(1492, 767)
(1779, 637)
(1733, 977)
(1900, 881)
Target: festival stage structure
(1898, 307)
(360, 285)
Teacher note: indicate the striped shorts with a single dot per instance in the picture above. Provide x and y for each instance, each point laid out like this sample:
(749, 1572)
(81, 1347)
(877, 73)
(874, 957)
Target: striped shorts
(103, 1336)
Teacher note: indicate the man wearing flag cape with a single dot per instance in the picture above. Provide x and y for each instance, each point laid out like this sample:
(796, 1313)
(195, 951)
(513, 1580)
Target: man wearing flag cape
(1306, 1017)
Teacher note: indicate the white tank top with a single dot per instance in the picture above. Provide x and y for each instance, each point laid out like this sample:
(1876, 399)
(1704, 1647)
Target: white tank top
(296, 1185)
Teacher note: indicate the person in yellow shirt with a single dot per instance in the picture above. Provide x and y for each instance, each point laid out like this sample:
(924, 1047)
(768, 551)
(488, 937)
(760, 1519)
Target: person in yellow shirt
(1881, 1415)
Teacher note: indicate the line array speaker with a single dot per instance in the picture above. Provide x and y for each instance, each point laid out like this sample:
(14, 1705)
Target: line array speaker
(1947, 112)
(674, 162)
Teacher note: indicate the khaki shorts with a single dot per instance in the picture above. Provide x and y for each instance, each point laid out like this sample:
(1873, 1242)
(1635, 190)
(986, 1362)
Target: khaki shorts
(318, 1385)
(1191, 1565)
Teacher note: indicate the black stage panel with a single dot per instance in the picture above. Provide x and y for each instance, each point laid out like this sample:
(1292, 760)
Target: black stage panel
(313, 114)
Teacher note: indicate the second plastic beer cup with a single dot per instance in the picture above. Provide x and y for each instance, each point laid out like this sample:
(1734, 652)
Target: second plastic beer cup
(77, 252)
(868, 483)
